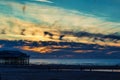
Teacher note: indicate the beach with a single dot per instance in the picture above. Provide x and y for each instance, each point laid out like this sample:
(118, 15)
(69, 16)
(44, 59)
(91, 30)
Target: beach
(15, 73)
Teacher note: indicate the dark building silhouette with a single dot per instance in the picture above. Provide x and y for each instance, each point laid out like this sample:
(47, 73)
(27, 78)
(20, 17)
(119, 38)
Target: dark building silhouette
(13, 57)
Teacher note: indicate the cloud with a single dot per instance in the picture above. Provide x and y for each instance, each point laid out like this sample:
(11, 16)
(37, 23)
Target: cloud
(47, 1)
(39, 18)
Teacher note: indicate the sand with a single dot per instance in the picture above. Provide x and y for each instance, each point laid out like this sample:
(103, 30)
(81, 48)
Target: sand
(39, 74)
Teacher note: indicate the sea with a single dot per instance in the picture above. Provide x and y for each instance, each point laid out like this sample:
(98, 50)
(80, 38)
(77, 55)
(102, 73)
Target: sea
(76, 61)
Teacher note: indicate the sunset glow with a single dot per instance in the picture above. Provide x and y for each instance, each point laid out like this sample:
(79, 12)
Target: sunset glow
(40, 18)
(60, 28)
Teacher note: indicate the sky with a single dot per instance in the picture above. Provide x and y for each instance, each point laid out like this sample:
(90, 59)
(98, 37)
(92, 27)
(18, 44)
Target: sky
(107, 9)
(77, 20)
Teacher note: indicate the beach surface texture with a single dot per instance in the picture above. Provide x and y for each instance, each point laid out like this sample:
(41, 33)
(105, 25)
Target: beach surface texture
(12, 73)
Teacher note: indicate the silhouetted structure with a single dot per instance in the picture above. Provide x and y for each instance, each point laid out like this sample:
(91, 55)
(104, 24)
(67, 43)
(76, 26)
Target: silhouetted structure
(13, 57)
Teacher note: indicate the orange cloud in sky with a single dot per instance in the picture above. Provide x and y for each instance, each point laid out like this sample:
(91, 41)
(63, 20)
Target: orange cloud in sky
(40, 18)
(42, 50)
(83, 51)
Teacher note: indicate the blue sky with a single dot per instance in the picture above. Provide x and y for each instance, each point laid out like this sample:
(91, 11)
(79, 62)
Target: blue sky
(93, 16)
(108, 9)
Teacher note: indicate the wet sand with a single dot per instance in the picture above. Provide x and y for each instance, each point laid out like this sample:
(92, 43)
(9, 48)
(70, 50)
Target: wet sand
(40, 74)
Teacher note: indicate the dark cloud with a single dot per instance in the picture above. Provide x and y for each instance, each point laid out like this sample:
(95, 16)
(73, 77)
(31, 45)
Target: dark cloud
(100, 37)
(23, 32)
(3, 31)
